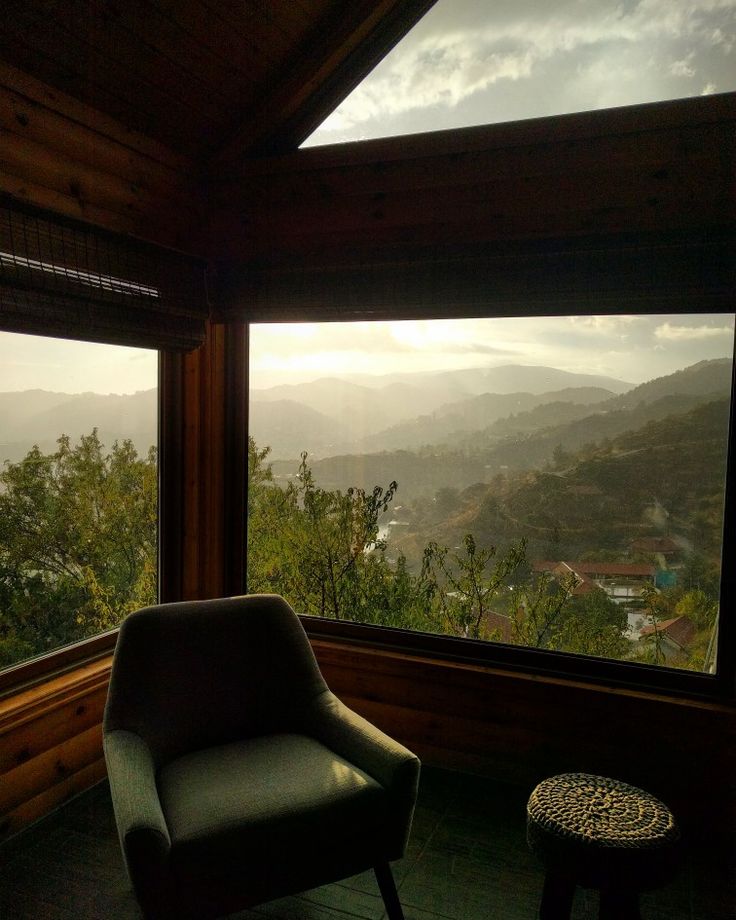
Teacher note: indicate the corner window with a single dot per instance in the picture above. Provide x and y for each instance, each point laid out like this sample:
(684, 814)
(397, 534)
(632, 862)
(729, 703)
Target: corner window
(554, 483)
(78, 490)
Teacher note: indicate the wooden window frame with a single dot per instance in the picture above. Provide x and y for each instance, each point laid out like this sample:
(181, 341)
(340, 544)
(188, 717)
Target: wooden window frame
(562, 665)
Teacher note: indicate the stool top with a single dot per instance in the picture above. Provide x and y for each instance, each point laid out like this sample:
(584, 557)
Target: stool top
(600, 812)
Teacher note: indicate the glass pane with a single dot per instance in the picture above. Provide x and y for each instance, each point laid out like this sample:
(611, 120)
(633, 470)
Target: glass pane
(548, 482)
(476, 62)
(78, 484)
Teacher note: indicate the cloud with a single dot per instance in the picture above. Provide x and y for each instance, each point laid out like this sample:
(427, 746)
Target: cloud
(684, 67)
(528, 58)
(675, 333)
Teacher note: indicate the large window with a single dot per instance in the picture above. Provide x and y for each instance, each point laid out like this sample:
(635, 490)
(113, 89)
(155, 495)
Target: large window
(78, 484)
(555, 483)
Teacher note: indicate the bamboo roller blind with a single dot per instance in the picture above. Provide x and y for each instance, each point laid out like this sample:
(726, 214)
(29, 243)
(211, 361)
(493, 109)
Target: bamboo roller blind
(60, 277)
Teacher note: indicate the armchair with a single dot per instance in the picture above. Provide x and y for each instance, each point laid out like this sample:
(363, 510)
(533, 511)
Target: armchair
(236, 775)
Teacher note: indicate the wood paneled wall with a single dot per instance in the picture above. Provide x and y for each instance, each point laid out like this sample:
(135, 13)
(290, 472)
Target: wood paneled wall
(511, 727)
(51, 744)
(59, 154)
(301, 225)
(520, 728)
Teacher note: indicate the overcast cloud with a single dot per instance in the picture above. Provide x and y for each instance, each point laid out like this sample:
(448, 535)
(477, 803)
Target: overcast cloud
(472, 62)
(34, 362)
(632, 348)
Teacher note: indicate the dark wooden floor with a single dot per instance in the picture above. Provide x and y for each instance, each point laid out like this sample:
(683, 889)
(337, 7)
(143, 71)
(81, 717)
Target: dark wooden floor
(467, 859)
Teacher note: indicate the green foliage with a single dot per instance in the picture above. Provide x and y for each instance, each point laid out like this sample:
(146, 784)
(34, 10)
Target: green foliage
(78, 534)
(320, 549)
(463, 587)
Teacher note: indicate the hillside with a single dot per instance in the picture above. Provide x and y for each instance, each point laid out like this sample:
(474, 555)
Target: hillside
(480, 457)
(371, 415)
(699, 379)
(669, 474)
(290, 428)
(461, 419)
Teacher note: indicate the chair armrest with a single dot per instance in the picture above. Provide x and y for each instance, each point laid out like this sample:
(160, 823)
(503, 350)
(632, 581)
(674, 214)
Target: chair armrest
(357, 740)
(144, 836)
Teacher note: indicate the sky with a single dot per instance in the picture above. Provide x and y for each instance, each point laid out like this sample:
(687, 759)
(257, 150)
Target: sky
(472, 62)
(34, 362)
(630, 348)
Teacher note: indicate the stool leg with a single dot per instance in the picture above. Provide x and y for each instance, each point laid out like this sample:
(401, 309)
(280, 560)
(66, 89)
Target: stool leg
(557, 896)
(619, 904)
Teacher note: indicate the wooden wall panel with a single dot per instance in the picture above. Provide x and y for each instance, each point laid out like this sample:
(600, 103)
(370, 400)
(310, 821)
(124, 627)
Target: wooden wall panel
(511, 727)
(653, 168)
(51, 744)
(520, 728)
(58, 154)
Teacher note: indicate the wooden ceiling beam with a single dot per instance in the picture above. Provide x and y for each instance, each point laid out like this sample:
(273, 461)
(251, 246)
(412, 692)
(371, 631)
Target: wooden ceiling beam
(340, 51)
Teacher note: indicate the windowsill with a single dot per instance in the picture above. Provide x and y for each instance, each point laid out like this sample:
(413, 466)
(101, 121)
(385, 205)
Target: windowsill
(598, 675)
(24, 677)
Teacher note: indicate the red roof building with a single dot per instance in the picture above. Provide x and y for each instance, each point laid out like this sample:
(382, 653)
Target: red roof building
(680, 631)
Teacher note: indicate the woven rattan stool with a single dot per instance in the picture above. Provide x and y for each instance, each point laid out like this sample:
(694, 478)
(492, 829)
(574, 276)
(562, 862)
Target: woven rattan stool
(599, 833)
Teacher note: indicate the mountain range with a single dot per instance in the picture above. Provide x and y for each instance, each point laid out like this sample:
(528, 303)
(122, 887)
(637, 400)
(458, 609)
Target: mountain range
(506, 445)
(40, 417)
(396, 411)
(512, 416)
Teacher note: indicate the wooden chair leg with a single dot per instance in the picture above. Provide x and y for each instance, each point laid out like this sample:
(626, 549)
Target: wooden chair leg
(557, 897)
(386, 883)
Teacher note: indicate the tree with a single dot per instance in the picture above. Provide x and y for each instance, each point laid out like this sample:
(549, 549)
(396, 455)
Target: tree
(317, 547)
(463, 587)
(78, 540)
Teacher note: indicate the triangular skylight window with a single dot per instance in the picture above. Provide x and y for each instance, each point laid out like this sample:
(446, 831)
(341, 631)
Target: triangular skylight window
(471, 62)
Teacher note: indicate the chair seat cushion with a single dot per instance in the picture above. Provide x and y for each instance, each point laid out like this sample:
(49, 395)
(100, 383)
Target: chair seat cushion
(254, 806)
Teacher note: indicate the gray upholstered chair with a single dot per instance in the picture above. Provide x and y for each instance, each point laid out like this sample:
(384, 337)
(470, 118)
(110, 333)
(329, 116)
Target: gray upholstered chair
(236, 775)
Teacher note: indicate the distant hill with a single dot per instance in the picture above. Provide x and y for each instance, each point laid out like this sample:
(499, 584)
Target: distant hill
(289, 428)
(480, 455)
(506, 378)
(607, 497)
(701, 379)
(369, 414)
(39, 417)
(460, 419)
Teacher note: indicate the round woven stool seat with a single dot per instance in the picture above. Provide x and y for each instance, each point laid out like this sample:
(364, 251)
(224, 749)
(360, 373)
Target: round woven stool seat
(601, 833)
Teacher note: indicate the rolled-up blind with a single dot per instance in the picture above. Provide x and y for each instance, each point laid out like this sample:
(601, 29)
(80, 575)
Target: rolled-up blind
(60, 277)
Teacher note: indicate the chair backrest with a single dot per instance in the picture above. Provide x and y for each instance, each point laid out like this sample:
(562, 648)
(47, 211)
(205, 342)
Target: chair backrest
(194, 674)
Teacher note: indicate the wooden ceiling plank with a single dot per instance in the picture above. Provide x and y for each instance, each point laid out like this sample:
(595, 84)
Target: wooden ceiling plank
(213, 34)
(334, 57)
(100, 37)
(62, 63)
(284, 23)
(254, 27)
(179, 47)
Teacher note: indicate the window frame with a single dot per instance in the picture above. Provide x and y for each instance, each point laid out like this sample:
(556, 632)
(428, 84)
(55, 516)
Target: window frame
(56, 662)
(634, 676)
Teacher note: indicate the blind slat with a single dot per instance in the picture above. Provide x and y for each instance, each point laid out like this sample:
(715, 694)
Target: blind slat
(63, 278)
